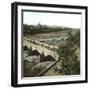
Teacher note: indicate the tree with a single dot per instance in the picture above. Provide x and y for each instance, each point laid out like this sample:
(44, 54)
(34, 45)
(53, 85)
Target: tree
(70, 64)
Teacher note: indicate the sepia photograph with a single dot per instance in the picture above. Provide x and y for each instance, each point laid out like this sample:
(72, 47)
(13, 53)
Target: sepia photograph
(51, 43)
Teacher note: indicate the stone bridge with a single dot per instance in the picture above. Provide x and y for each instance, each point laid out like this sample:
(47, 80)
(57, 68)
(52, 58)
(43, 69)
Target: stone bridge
(41, 47)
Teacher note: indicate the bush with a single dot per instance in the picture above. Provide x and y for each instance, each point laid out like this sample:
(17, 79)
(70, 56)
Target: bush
(70, 63)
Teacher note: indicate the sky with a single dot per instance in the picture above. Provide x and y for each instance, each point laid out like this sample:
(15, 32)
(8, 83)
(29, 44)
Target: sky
(58, 19)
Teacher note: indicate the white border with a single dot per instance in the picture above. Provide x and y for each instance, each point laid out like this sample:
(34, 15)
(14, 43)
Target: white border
(52, 78)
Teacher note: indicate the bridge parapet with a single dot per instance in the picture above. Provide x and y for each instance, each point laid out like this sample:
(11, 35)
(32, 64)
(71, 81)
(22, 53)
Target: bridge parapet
(51, 47)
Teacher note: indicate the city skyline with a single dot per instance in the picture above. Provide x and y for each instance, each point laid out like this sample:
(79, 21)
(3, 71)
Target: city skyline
(57, 19)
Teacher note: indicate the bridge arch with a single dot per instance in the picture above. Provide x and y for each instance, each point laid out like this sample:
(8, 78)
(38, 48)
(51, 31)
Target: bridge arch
(44, 58)
(35, 52)
(49, 58)
(25, 48)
